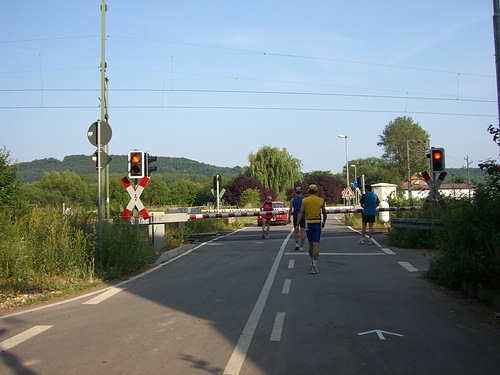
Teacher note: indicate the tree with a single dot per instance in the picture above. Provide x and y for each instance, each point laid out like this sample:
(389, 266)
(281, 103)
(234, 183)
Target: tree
(275, 168)
(8, 175)
(329, 188)
(250, 198)
(235, 188)
(156, 192)
(183, 192)
(56, 189)
(376, 170)
(403, 136)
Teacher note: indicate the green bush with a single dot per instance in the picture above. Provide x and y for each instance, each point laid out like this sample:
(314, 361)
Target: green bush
(38, 248)
(413, 239)
(469, 250)
(43, 250)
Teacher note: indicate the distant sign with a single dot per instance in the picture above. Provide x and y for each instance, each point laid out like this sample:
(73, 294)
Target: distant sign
(347, 193)
(105, 133)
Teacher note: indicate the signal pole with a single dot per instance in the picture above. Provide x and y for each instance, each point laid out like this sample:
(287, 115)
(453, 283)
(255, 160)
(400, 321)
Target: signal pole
(496, 34)
(104, 102)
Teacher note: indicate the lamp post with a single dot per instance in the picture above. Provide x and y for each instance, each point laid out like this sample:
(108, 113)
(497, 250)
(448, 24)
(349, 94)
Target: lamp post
(346, 163)
(356, 189)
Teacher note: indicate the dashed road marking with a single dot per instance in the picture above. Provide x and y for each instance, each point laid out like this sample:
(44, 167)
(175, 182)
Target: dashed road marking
(23, 336)
(278, 327)
(104, 296)
(408, 267)
(286, 286)
(239, 354)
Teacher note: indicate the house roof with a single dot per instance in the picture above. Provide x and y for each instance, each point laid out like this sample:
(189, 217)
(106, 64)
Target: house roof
(418, 183)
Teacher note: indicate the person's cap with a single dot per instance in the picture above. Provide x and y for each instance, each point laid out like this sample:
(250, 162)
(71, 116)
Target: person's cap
(298, 189)
(313, 187)
(269, 198)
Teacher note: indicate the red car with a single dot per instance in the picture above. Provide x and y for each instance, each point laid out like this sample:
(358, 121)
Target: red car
(276, 219)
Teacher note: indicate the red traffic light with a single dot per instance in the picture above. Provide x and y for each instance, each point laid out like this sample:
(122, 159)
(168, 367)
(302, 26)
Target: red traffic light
(136, 164)
(437, 155)
(437, 160)
(136, 158)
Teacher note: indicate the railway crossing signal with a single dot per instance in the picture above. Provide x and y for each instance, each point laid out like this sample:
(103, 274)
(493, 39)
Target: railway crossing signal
(148, 160)
(136, 164)
(437, 160)
(135, 195)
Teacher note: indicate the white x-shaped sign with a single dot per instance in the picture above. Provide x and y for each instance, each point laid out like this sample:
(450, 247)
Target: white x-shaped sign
(135, 198)
(434, 186)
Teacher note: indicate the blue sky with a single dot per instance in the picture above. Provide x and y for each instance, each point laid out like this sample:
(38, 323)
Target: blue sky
(215, 80)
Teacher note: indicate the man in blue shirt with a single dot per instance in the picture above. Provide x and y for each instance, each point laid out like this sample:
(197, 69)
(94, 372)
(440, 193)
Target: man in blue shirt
(369, 201)
(293, 212)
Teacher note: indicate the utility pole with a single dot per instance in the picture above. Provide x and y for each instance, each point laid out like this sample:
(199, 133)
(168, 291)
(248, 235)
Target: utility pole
(496, 34)
(104, 100)
(468, 172)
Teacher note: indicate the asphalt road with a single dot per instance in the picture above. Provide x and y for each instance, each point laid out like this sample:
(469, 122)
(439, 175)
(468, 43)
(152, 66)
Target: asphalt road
(239, 304)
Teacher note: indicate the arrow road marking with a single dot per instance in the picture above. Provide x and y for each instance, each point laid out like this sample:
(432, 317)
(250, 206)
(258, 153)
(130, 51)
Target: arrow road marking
(380, 333)
(23, 336)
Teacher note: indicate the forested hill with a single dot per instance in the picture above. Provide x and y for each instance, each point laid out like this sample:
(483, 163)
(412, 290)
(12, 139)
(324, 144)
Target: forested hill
(84, 166)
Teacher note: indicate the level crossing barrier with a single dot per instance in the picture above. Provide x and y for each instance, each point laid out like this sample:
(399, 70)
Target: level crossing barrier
(219, 214)
(157, 220)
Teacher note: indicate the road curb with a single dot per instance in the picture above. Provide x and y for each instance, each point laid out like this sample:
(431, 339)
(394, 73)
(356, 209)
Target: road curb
(167, 255)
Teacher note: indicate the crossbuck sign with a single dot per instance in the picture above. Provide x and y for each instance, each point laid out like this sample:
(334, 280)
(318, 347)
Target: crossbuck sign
(135, 200)
(434, 185)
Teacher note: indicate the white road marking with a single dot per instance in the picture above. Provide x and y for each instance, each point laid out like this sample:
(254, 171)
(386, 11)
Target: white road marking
(387, 251)
(380, 333)
(23, 336)
(286, 286)
(291, 264)
(235, 363)
(104, 296)
(336, 254)
(278, 326)
(408, 267)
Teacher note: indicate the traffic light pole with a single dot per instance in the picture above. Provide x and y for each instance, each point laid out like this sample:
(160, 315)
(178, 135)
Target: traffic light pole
(496, 33)
(218, 198)
(103, 115)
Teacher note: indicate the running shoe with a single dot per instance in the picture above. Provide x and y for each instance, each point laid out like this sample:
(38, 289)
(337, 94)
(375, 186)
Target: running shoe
(296, 247)
(370, 242)
(301, 249)
(263, 235)
(361, 241)
(314, 270)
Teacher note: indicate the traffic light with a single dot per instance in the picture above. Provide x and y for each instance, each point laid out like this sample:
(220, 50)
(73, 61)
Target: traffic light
(437, 160)
(150, 168)
(360, 182)
(136, 164)
(218, 179)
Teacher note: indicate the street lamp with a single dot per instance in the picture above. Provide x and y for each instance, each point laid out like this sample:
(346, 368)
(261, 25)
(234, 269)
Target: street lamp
(346, 162)
(355, 172)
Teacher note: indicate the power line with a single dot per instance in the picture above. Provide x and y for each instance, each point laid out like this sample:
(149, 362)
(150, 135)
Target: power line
(298, 56)
(255, 108)
(260, 92)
